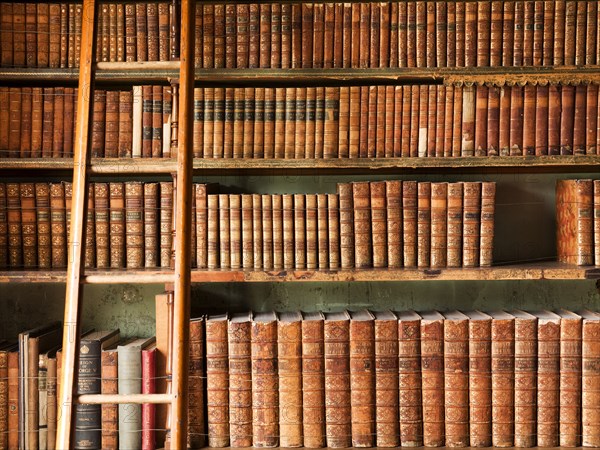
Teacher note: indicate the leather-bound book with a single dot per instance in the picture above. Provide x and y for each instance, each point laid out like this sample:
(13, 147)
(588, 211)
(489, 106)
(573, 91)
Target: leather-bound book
(311, 230)
(508, 32)
(310, 126)
(504, 124)
(471, 223)
(496, 32)
(235, 230)
(550, 28)
(362, 378)
(365, 35)
(147, 121)
(109, 385)
(44, 233)
(423, 115)
(166, 222)
(525, 396)
(134, 224)
(558, 54)
(299, 233)
(101, 223)
(217, 380)
(346, 214)
(418, 127)
(570, 379)
(276, 35)
(529, 117)
(117, 225)
(439, 224)
(3, 228)
(460, 49)
(406, 120)
(423, 224)
(421, 33)
(331, 125)
(269, 124)
(378, 221)
(307, 35)
(580, 33)
(141, 28)
(209, 122)
(277, 205)
(265, 389)
(440, 121)
(257, 231)
(402, 33)
(493, 121)
(29, 232)
(300, 125)
(431, 120)
(247, 232)
(313, 380)
(448, 121)
(130, 33)
(219, 36)
(265, 35)
(68, 201)
(541, 120)
(375, 29)
(579, 122)
(201, 203)
(70, 107)
(574, 227)
(409, 372)
(437, 34)
(480, 382)
(503, 383)
(411, 34)
(538, 33)
(279, 123)
(486, 236)
(258, 140)
(392, 30)
(432, 373)
(322, 231)
(395, 122)
(338, 429)
(230, 36)
(590, 379)
(249, 106)
(591, 56)
(328, 35)
(240, 380)
(37, 113)
(516, 120)
(47, 122)
(224, 257)
(528, 17)
(456, 378)
(394, 218)
(344, 122)
(288, 244)
(548, 383)
(157, 121)
(267, 231)
(567, 119)
(31, 49)
(151, 216)
(591, 119)
(483, 23)
(26, 123)
(409, 222)
(152, 27)
(68, 58)
(468, 120)
(384, 37)
(111, 135)
(472, 33)
(362, 225)
(6, 34)
(296, 36)
(59, 123)
(289, 364)
(554, 118)
(352, 38)
(596, 221)
(163, 33)
(334, 232)
(208, 36)
(149, 387)
(218, 123)
(372, 128)
(124, 124)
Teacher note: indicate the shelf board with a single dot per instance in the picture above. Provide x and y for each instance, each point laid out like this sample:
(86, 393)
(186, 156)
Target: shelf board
(141, 166)
(539, 271)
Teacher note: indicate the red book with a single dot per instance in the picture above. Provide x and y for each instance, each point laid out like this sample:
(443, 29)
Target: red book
(148, 387)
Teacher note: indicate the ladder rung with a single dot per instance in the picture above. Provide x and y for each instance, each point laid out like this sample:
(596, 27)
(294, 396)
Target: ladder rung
(125, 398)
(138, 65)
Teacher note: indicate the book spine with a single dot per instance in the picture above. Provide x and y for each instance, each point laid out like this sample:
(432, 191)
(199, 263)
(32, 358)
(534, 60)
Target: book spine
(311, 122)
(591, 119)
(596, 215)
(423, 224)
(101, 223)
(289, 362)
(29, 230)
(48, 123)
(590, 416)
(257, 231)
(346, 214)
(149, 387)
(541, 120)
(240, 385)
(570, 382)
(134, 224)
(217, 383)
(99, 123)
(219, 37)
(504, 125)
(525, 396)
(13, 400)
(88, 418)
(567, 119)
(198, 123)
(163, 33)
(235, 230)
(439, 219)
(224, 257)
(548, 383)
(6, 34)
(259, 124)
(378, 221)
(4, 228)
(574, 211)
(409, 226)
(554, 119)
(334, 230)
(109, 385)
(111, 131)
(212, 235)
(481, 122)
(362, 229)
(313, 385)
(129, 367)
(249, 117)
(503, 383)
(362, 382)
(26, 123)
(124, 126)
(483, 23)
(288, 247)
(13, 219)
(456, 382)
(395, 234)
(312, 244)
(387, 420)
(440, 123)
(277, 205)
(493, 121)
(480, 383)
(196, 389)
(432, 372)
(331, 122)
(166, 223)
(267, 231)
(44, 232)
(471, 223)
(4, 399)
(151, 215)
(209, 122)
(409, 366)
(157, 121)
(486, 234)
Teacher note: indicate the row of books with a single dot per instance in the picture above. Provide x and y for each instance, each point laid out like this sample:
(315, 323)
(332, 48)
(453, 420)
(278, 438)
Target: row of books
(41, 34)
(578, 221)
(365, 379)
(129, 123)
(397, 34)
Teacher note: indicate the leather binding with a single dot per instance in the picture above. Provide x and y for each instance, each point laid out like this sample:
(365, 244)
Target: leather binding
(362, 378)
(480, 382)
(423, 115)
(25, 134)
(504, 134)
(548, 30)
(439, 219)
(456, 378)
(37, 115)
(103, 35)
(249, 106)
(217, 380)
(558, 56)
(570, 378)
(438, 31)
(90, 232)
(313, 376)
(346, 214)
(409, 208)
(267, 230)
(591, 30)
(541, 102)
(219, 36)
(111, 134)
(312, 232)
(493, 121)
(47, 123)
(365, 35)
(109, 385)
(289, 363)
(448, 121)
(296, 36)
(29, 232)
(538, 33)
(471, 31)
(405, 121)
(580, 33)
(334, 231)
(224, 236)
(141, 28)
(300, 125)
(230, 36)
(365, 145)
(151, 213)
(579, 128)
(375, 29)
(163, 33)
(69, 122)
(247, 235)
(124, 124)
(208, 36)
(450, 36)
(496, 32)
(372, 128)
(554, 118)
(209, 122)
(378, 223)
(322, 240)
(503, 383)
(201, 203)
(257, 231)
(311, 117)
(58, 132)
(277, 200)
(596, 221)
(212, 236)
(269, 125)
(471, 223)
(528, 32)
(351, 34)
(117, 225)
(431, 120)
(275, 35)
(134, 224)
(167, 111)
(387, 425)
(13, 399)
(516, 120)
(402, 34)
(385, 36)
(590, 416)
(421, 33)
(395, 136)
(307, 35)
(468, 120)
(574, 211)
(423, 224)
(409, 373)
(238, 122)
(486, 236)
(149, 387)
(130, 33)
(288, 245)
(42, 212)
(6, 34)
(147, 106)
(328, 35)
(525, 396)
(394, 216)
(591, 119)
(454, 225)
(567, 119)
(483, 23)
(331, 122)
(440, 121)
(265, 35)
(279, 123)
(235, 230)
(166, 222)
(70, 37)
(240, 380)
(299, 234)
(411, 34)
(157, 121)
(481, 123)
(344, 122)
(68, 200)
(508, 32)
(152, 27)
(31, 49)
(258, 140)
(101, 219)
(4, 397)
(432, 372)
(136, 122)
(460, 34)
(362, 221)
(3, 228)
(265, 391)
(337, 379)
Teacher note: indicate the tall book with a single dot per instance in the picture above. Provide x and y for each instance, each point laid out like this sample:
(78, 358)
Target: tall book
(471, 223)
(134, 224)
(346, 221)
(196, 419)
(574, 227)
(313, 379)
(109, 385)
(217, 380)
(590, 385)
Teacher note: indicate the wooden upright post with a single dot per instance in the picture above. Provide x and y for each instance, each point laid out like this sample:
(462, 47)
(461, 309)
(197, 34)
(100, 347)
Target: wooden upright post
(181, 332)
(85, 93)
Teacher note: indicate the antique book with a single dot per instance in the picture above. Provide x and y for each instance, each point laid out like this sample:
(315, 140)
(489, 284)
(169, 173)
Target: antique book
(29, 232)
(322, 231)
(196, 400)
(212, 235)
(454, 223)
(338, 425)
(101, 219)
(346, 221)
(363, 238)
(44, 232)
(111, 130)
(166, 222)
(481, 124)
(331, 122)
(333, 230)
(117, 225)
(151, 216)
(267, 230)
(590, 384)
(554, 119)
(3, 228)
(147, 105)
(394, 216)
(574, 212)
(313, 379)
(432, 373)
(468, 119)
(378, 221)
(471, 223)
(299, 234)
(288, 245)
(567, 119)
(109, 385)
(423, 224)
(235, 231)
(134, 224)
(311, 218)
(596, 221)
(362, 378)
(277, 208)
(289, 363)
(486, 235)
(149, 387)
(409, 222)
(579, 122)
(439, 219)
(217, 380)
(98, 120)
(493, 121)
(13, 399)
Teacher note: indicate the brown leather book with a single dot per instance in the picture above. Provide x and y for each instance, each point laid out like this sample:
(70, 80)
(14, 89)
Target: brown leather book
(299, 233)
(579, 122)
(247, 233)
(44, 232)
(402, 34)
(279, 123)
(258, 139)
(47, 124)
(472, 33)
(29, 233)
(201, 203)
(328, 35)
(580, 33)
(558, 56)
(167, 120)
(310, 126)
(409, 368)
(249, 107)
(362, 378)
(596, 221)
(134, 224)
(591, 56)
(504, 121)
(70, 107)
(346, 214)
(554, 119)
(540, 140)
(4, 397)
(6, 34)
(549, 29)
(483, 24)
(109, 385)
(312, 247)
(296, 36)
(431, 121)
(518, 40)
(269, 123)
(69, 40)
(480, 127)
(503, 383)
(454, 225)
(43, 34)
(157, 121)
(101, 223)
(468, 121)
(219, 36)
(224, 257)
(267, 230)
(277, 201)
(208, 36)
(378, 219)
(574, 225)
(300, 125)
(98, 123)
(409, 222)
(26, 123)
(338, 426)
(423, 224)
(313, 376)
(198, 122)
(590, 416)
(538, 33)
(307, 35)
(460, 34)
(525, 396)
(152, 36)
(371, 123)
(230, 36)
(411, 34)
(235, 230)
(486, 236)
(124, 124)
(59, 122)
(238, 122)
(265, 36)
(567, 119)
(421, 33)
(217, 380)
(103, 35)
(508, 32)
(591, 119)
(331, 122)
(117, 225)
(265, 402)
(351, 35)
(288, 245)
(456, 378)
(496, 32)
(440, 122)
(394, 224)
(381, 44)
(471, 223)
(448, 115)
(30, 35)
(111, 136)
(151, 216)
(439, 224)
(241, 403)
(3, 228)
(432, 373)
(130, 33)
(163, 32)
(141, 28)
(209, 122)
(196, 398)
(406, 121)
(257, 231)
(363, 234)
(394, 122)
(480, 383)
(422, 112)
(364, 35)
(570, 378)
(334, 232)
(166, 222)
(289, 363)
(493, 121)
(528, 25)
(276, 35)
(344, 122)
(13, 399)
(322, 231)
(375, 46)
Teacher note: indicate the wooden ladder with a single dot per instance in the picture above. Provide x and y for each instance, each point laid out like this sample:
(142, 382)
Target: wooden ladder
(179, 354)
